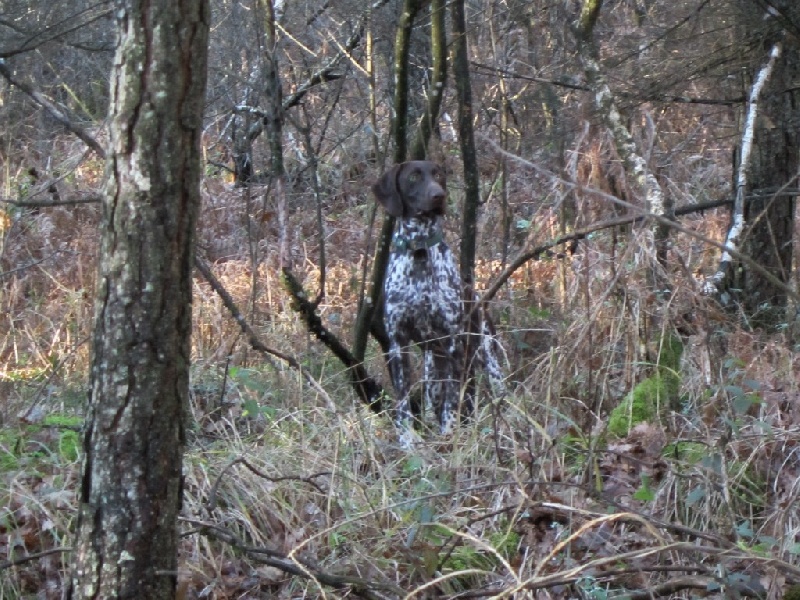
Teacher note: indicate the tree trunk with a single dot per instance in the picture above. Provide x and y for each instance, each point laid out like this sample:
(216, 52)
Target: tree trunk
(419, 149)
(274, 93)
(127, 535)
(274, 125)
(469, 228)
(466, 141)
(775, 157)
(366, 321)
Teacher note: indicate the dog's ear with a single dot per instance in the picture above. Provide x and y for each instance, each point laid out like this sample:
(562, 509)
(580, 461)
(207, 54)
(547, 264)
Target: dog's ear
(387, 192)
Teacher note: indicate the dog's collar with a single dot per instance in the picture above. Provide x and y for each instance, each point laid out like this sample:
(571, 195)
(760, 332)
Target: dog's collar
(402, 244)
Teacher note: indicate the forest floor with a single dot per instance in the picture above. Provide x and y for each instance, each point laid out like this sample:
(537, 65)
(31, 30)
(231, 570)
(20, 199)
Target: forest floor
(297, 491)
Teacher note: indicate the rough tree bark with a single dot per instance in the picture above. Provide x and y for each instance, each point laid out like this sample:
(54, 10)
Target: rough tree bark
(130, 496)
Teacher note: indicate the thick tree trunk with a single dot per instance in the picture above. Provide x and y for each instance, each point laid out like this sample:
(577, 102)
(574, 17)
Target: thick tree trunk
(127, 534)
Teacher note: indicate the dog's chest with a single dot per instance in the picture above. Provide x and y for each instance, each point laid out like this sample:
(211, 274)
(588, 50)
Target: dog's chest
(423, 291)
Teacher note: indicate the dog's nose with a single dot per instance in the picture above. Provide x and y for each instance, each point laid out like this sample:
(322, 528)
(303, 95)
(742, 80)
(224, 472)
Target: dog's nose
(437, 195)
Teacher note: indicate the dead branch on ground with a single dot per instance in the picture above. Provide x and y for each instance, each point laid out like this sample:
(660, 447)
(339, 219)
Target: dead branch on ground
(368, 390)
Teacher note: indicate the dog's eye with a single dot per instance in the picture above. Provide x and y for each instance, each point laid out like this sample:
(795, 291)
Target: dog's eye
(413, 177)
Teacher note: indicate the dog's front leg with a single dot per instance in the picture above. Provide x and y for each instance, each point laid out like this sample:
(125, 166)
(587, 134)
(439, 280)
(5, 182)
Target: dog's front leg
(400, 372)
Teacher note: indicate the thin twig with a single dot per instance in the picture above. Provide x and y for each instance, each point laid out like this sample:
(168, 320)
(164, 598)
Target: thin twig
(7, 564)
(39, 98)
(211, 503)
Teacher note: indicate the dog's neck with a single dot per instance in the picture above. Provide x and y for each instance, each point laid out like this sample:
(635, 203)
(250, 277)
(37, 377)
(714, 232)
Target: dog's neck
(417, 233)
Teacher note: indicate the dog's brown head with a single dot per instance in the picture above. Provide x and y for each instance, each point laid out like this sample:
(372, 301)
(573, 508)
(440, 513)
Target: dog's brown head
(413, 188)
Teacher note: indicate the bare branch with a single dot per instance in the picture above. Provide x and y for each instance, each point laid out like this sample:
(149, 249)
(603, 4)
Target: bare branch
(252, 337)
(368, 390)
(527, 254)
(571, 85)
(54, 32)
(634, 162)
(326, 72)
(211, 503)
(7, 564)
(89, 198)
(39, 98)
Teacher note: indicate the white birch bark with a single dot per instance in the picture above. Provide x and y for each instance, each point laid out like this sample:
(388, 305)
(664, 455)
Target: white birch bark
(712, 284)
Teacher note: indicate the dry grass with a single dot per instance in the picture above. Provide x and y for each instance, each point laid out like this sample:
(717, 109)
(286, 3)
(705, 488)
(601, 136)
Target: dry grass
(532, 497)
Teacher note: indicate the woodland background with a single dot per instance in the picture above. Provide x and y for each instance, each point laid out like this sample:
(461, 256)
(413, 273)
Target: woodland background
(648, 446)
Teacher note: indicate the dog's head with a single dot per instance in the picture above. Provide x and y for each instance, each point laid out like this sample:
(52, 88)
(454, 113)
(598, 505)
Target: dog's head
(413, 188)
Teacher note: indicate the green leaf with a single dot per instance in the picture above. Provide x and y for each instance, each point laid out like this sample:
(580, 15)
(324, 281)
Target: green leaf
(745, 530)
(741, 404)
(768, 541)
(644, 493)
(426, 513)
(734, 390)
(251, 408)
(696, 495)
(413, 464)
(752, 384)
(712, 462)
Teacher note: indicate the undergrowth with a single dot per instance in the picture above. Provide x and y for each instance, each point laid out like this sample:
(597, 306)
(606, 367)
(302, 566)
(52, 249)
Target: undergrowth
(298, 491)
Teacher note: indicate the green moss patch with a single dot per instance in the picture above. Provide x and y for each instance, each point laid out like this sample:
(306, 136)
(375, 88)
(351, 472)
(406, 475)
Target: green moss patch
(653, 395)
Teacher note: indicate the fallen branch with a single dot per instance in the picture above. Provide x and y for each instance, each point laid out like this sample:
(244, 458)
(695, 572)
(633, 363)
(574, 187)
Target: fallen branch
(369, 390)
(211, 503)
(294, 566)
(252, 337)
(672, 586)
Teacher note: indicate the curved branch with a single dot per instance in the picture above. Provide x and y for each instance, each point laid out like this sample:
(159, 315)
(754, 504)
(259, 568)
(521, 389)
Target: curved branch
(715, 282)
(533, 253)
